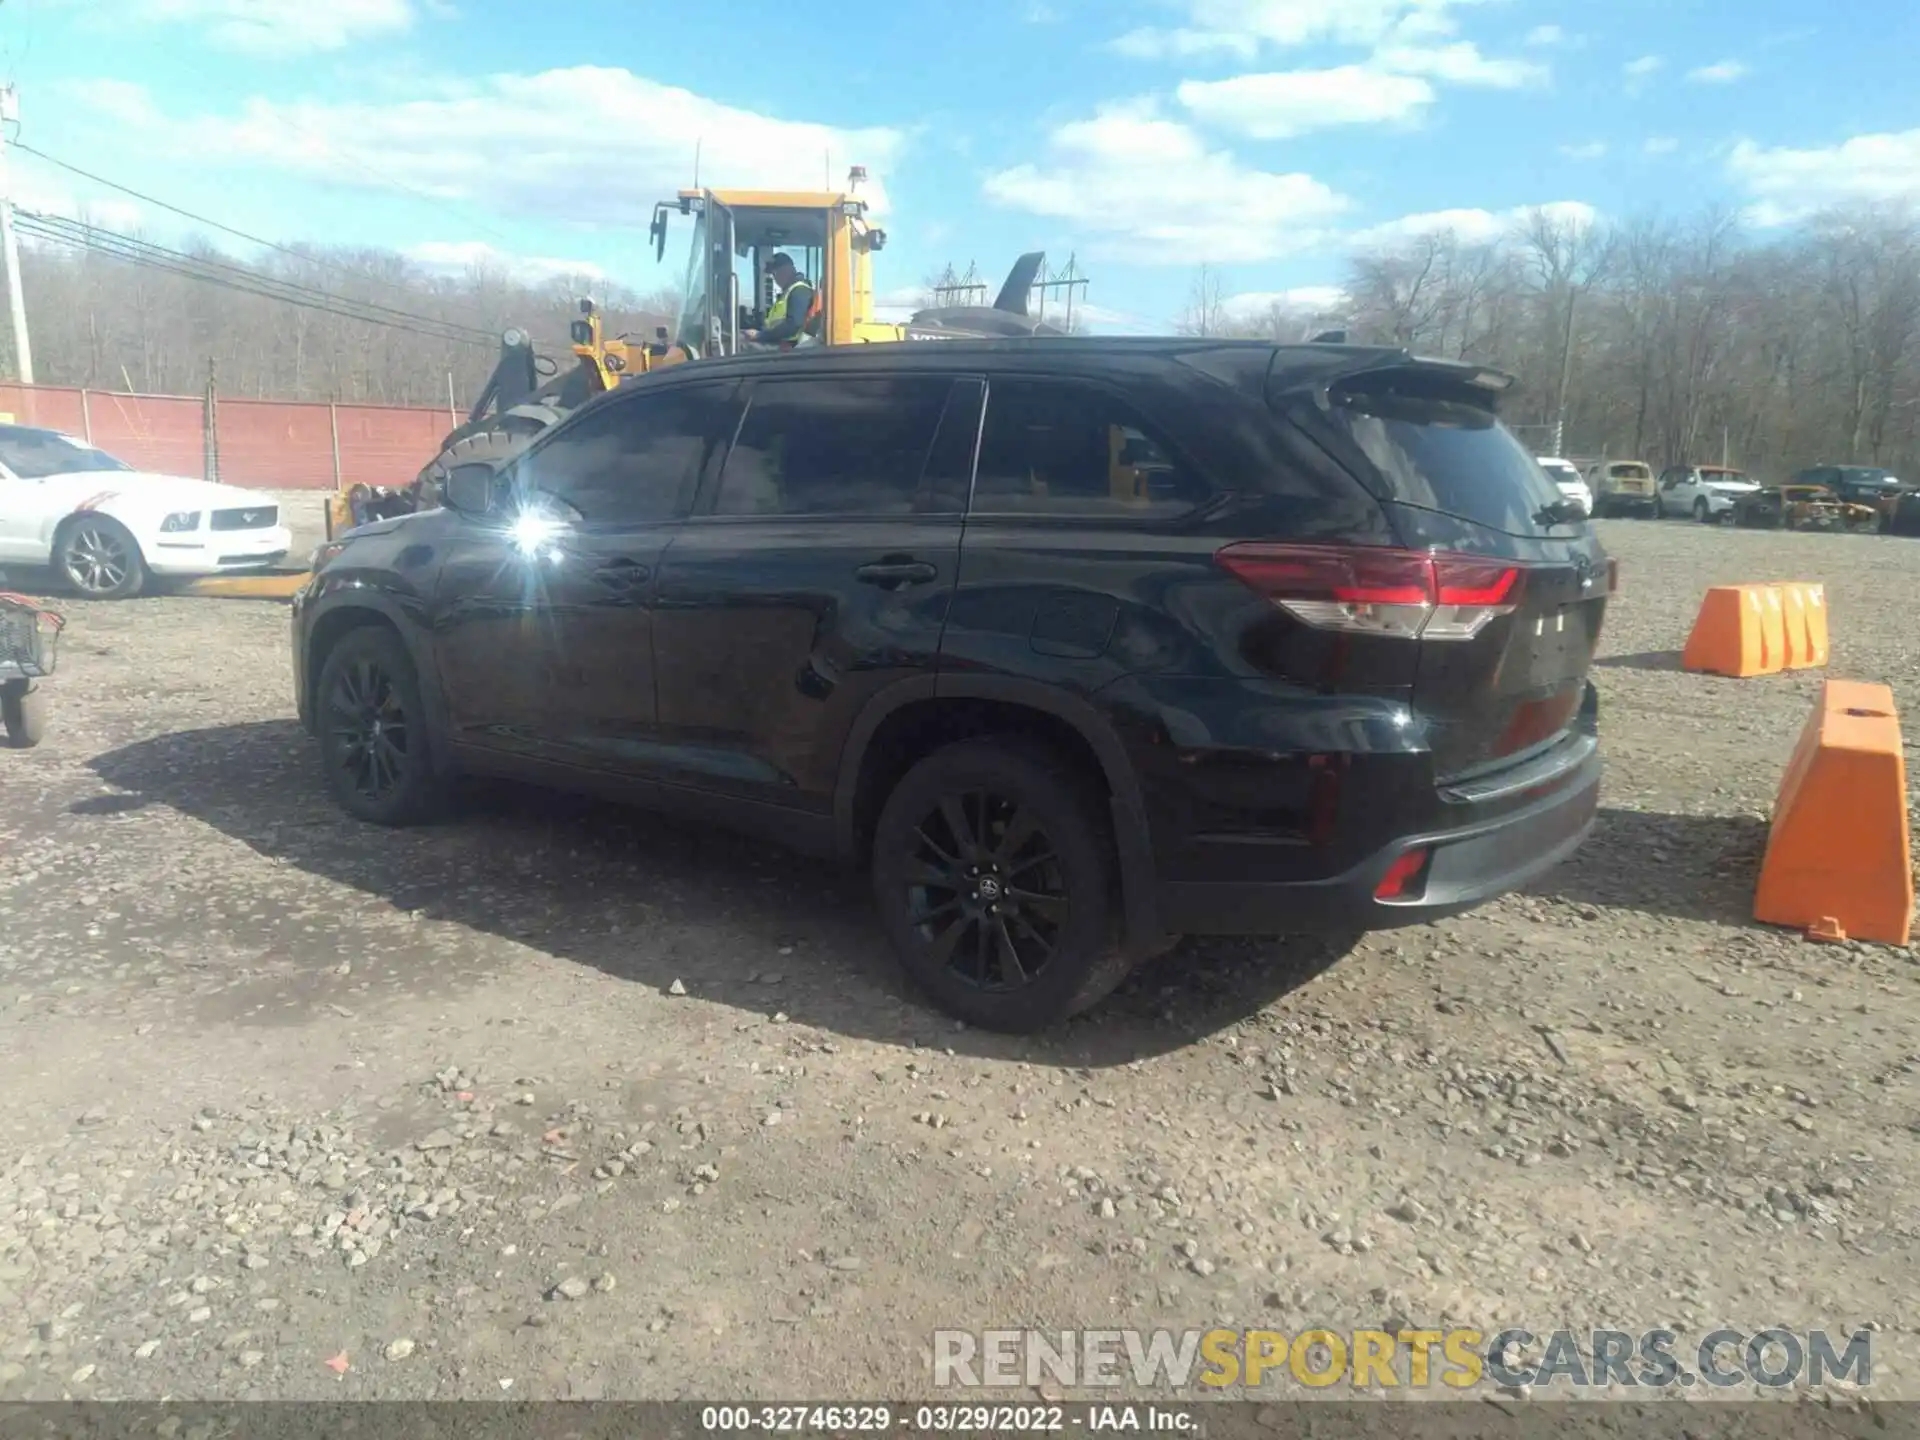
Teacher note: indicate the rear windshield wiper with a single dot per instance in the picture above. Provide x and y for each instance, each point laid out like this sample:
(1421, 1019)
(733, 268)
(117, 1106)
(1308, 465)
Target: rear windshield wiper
(1560, 512)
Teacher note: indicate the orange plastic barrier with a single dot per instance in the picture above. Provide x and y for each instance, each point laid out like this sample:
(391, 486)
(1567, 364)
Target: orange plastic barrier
(1839, 859)
(1740, 631)
(1805, 605)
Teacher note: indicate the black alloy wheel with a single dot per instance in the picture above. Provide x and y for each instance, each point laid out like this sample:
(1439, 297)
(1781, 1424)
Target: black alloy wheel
(986, 894)
(993, 870)
(369, 728)
(372, 729)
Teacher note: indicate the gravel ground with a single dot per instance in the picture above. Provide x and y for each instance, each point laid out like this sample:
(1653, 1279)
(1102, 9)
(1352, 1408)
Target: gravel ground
(561, 1101)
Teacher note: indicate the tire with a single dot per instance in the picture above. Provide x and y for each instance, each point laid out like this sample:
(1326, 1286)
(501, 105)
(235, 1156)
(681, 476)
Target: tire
(1659, 509)
(493, 441)
(99, 558)
(369, 691)
(1702, 513)
(23, 711)
(976, 791)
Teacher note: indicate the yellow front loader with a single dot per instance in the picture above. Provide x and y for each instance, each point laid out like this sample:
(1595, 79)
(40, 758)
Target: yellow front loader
(726, 292)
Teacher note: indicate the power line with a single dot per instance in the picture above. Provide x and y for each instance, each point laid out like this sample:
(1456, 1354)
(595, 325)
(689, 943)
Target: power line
(75, 235)
(298, 254)
(89, 234)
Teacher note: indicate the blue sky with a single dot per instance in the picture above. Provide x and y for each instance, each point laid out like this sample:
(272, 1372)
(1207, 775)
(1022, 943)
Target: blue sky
(1266, 137)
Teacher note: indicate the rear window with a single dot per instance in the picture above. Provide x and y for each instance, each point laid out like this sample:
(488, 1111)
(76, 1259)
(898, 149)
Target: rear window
(1631, 472)
(1449, 455)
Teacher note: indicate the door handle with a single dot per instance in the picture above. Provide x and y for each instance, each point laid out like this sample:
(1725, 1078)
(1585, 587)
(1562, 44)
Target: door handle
(891, 573)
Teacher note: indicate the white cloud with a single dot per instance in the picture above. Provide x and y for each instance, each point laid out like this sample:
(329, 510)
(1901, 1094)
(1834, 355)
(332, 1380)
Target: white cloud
(1643, 68)
(281, 27)
(39, 195)
(1149, 43)
(1147, 188)
(560, 144)
(898, 305)
(1243, 27)
(1107, 320)
(1787, 185)
(1661, 145)
(1592, 150)
(459, 256)
(1545, 35)
(1474, 227)
(1294, 102)
(1461, 63)
(1724, 72)
(1306, 300)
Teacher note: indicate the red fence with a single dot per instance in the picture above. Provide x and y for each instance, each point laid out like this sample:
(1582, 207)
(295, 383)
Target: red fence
(267, 444)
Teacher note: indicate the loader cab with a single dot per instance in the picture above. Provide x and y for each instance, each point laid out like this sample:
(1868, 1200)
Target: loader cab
(732, 236)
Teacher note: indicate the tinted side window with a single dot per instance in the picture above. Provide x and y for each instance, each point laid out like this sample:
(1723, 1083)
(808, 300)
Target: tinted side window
(1062, 447)
(835, 447)
(634, 460)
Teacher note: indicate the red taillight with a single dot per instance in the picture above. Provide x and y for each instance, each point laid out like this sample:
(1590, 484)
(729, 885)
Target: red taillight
(1371, 590)
(1402, 875)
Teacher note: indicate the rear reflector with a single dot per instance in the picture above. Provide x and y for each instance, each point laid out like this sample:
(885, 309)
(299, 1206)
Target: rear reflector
(1402, 877)
(1371, 590)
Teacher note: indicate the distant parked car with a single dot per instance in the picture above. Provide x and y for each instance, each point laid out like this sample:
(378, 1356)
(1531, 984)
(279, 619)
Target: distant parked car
(1706, 492)
(1801, 507)
(106, 526)
(1621, 487)
(1566, 479)
(1857, 484)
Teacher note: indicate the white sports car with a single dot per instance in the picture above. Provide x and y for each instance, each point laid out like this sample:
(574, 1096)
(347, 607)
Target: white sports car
(105, 527)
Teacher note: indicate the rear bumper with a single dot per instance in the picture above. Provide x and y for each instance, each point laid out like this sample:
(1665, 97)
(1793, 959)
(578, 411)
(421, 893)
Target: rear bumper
(1473, 861)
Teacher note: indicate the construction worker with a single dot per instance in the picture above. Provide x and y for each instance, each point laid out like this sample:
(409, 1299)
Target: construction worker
(794, 302)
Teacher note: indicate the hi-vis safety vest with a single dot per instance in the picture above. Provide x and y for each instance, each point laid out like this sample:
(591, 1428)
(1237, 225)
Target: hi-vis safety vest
(777, 311)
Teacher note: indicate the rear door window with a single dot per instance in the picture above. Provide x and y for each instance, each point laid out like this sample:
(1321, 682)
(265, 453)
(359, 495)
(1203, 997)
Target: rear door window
(838, 447)
(1448, 454)
(1069, 449)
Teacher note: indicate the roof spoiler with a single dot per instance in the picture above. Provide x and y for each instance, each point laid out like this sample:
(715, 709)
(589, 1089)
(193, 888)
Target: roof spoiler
(1314, 370)
(1013, 294)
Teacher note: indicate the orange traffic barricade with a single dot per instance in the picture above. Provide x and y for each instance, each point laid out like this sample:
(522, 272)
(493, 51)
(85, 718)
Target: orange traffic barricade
(1839, 860)
(1805, 606)
(1740, 631)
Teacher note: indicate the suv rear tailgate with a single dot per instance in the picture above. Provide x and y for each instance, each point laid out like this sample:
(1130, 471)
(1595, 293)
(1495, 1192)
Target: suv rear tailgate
(1425, 439)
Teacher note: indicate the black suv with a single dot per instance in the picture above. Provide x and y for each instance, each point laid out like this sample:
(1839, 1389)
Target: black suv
(1078, 645)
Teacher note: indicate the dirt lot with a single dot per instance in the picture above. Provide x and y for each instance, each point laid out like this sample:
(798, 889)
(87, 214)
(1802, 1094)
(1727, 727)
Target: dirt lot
(296, 1108)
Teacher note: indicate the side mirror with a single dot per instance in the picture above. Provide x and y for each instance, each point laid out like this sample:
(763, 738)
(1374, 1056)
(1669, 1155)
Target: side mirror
(469, 489)
(657, 232)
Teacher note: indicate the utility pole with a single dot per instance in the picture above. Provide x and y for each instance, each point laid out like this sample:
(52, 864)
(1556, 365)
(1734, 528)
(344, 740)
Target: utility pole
(10, 246)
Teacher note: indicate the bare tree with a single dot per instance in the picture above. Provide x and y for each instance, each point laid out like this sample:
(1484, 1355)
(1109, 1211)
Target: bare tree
(1672, 341)
(1206, 310)
(106, 322)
